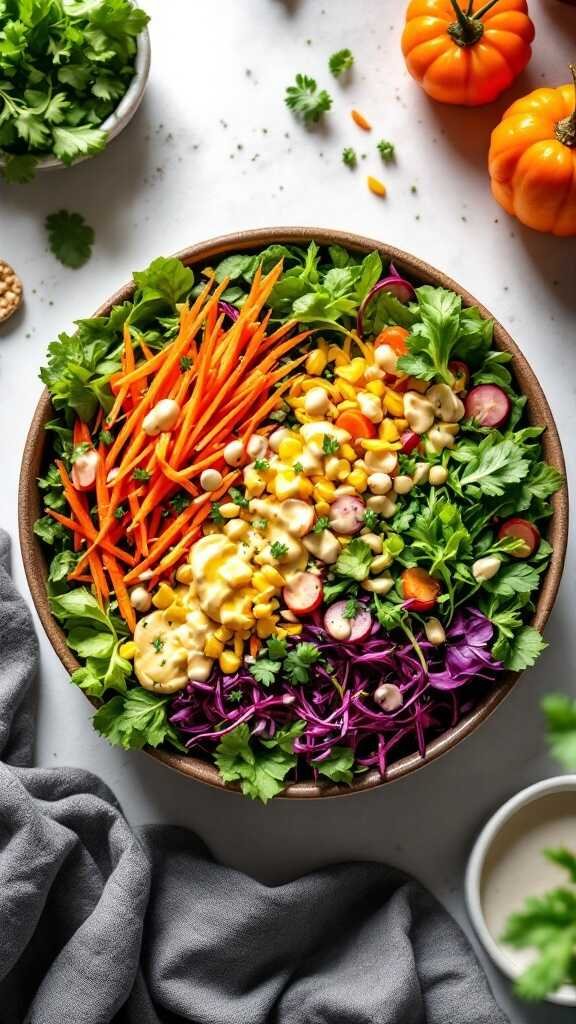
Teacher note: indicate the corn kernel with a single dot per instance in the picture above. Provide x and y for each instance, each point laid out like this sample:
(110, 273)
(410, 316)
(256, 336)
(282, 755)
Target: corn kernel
(348, 452)
(347, 390)
(289, 448)
(176, 613)
(307, 385)
(316, 363)
(376, 387)
(281, 633)
(305, 488)
(213, 648)
(337, 356)
(388, 431)
(223, 634)
(401, 425)
(238, 645)
(302, 416)
(353, 372)
(163, 597)
(262, 610)
(286, 486)
(293, 629)
(237, 572)
(394, 403)
(346, 406)
(324, 491)
(322, 508)
(229, 509)
(358, 480)
(229, 662)
(184, 574)
(380, 446)
(129, 650)
(255, 483)
(265, 628)
(274, 577)
(236, 528)
(450, 428)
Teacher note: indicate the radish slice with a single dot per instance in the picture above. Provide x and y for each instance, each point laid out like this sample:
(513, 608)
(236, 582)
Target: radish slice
(397, 286)
(347, 514)
(488, 405)
(523, 530)
(84, 471)
(303, 594)
(348, 630)
(410, 441)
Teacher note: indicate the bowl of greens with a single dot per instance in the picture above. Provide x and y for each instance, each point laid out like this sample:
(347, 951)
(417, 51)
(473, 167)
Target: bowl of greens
(72, 76)
(292, 512)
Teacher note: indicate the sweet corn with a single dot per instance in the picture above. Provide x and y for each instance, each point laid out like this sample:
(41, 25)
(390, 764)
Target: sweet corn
(379, 446)
(292, 630)
(450, 428)
(229, 662)
(388, 431)
(337, 356)
(223, 634)
(376, 387)
(316, 363)
(259, 580)
(281, 633)
(229, 509)
(394, 403)
(346, 389)
(163, 597)
(324, 491)
(184, 574)
(176, 613)
(322, 508)
(265, 628)
(286, 485)
(274, 577)
(235, 529)
(255, 483)
(213, 648)
(401, 425)
(238, 645)
(262, 610)
(353, 372)
(305, 488)
(129, 650)
(289, 448)
(358, 480)
(346, 406)
(302, 416)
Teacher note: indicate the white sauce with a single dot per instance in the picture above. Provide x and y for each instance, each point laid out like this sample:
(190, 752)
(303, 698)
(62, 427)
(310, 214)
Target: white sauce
(515, 867)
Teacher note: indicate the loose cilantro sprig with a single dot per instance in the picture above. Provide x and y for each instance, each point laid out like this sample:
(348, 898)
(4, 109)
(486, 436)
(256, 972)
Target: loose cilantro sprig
(340, 62)
(259, 765)
(349, 157)
(305, 101)
(386, 150)
(71, 238)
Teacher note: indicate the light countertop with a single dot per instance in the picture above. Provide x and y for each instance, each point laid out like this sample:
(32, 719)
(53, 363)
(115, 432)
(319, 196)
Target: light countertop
(213, 149)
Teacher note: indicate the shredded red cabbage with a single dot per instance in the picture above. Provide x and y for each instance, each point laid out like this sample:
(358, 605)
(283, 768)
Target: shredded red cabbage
(337, 705)
(228, 309)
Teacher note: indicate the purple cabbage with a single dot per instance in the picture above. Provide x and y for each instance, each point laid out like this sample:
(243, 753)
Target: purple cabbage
(229, 310)
(337, 705)
(394, 283)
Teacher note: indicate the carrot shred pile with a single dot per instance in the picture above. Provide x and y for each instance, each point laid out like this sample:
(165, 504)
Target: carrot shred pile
(226, 381)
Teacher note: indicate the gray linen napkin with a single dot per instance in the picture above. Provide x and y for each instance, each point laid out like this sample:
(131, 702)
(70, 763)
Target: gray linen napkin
(97, 925)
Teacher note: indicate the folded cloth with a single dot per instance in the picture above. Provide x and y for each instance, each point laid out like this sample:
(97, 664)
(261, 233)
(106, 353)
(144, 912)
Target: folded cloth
(99, 925)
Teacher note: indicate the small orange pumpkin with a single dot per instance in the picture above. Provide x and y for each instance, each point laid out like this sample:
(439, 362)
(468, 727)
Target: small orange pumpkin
(532, 159)
(467, 56)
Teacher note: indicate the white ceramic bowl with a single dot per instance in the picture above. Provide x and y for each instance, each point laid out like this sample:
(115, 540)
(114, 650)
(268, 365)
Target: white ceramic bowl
(565, 996)
(125, 110)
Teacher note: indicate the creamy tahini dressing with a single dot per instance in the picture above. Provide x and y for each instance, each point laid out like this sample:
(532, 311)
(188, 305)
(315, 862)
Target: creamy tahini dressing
(515, 867)
(165, 649)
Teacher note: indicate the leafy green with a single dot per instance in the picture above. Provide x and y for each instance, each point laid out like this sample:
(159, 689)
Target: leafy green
(277, 549)
(260, 766)
(265, 670)
(494, 466)
(49, 530)
(349, 157)
(514, 578)
(560, 712)
(299, 661)
(443, 329)
(166, 279)
(136, 719)
(71, 238)
(355, 560)
(386, 150)
(64, 66)
(338, 766)
(304, 100)
(96, 636)
(340, 62)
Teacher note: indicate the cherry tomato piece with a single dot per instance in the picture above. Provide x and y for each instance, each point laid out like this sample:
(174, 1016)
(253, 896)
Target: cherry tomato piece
(395, 337)
(522, 530)
(420, 589)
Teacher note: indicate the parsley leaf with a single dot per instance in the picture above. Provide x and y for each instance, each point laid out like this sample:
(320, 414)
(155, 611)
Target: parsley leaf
(337, 767)
(135, 720)
(321, 524)
(95, 636)
(560, 714)
(494, 467)
(355, 560)
(260, 767)
(71, 239)
(261, 464)
(265, 670)
(351, 609)
(215, 513)
(522, 650)
(299, 661)
(277, 549)
(340, 62)
(304, 100)
(386, 150)
(141, 474)
(239, 498)
(349, 157)
(514, 578)
(330, 445)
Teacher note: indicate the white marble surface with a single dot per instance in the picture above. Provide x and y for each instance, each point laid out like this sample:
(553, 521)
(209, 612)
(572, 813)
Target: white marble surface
(212, 150)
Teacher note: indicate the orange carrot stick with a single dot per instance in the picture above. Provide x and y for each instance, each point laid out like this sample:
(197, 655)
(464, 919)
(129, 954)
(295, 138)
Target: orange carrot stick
(125, 608)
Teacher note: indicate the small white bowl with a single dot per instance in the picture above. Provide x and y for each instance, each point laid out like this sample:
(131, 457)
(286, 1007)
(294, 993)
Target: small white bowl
(502, 957)
(124, 112)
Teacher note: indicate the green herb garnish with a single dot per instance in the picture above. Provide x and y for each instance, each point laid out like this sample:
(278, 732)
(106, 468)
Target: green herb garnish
(386, 150)
(349, 157)
(141, 474)
(330, 445)
(340, 62)
(304, 100)
(277, 549)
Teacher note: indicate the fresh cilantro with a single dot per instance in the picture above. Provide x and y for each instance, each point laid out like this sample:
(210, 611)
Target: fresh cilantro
(106, 437)
(158, 644)
(299, 661)
(71, 238)
(276, 648)
(298, 467)
(19, 170)
(265, 670)
(141, 474)
(514, 578)
(334, 589)
(321, 524)
(96, 637)
(370, 519)
(180, 502)
(386, 150)
(238, 498)
(49, 530)
(354, 561)
(349, 157)
(136, 719)
(340, 62)
(119, 512)
(261, 465)
(441, 327)
(62, 564)
(215, 513)
(352, 608)
(234, 696)
(494, 467)
(186, 363)
(330, 445)
(277, 549)
(522, 650)
(548, 924)
(390, 614)
(304, 100)
(560, 712)
(260, 523)
(338, 766)
(260, 766)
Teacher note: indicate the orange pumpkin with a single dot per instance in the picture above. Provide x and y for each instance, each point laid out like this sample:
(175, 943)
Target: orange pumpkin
(532, 160)
(467, 56)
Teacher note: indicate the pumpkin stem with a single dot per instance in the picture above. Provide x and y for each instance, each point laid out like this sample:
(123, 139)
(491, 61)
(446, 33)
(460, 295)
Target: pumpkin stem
(466, 30)
(484, 10)
(565, 130)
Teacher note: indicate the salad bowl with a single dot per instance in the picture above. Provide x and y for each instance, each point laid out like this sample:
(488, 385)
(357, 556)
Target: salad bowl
(537, 412)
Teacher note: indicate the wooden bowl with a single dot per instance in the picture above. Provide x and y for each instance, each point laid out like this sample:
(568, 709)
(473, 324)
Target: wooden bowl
(538, 412)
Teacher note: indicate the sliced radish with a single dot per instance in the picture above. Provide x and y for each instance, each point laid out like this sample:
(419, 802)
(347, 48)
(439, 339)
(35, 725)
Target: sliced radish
(488, 405)
(347, 514)
(84, 471)
(523, 530)
(304, 593)
(347, 630)
(410, 441)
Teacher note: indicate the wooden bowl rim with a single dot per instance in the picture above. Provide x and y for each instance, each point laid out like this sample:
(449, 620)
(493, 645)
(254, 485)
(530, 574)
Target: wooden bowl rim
(35, 565)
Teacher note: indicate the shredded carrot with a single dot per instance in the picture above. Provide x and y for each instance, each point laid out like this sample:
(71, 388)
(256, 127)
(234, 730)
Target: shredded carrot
(360, 120)
(254, 645)
(125, 608)
(376, 186)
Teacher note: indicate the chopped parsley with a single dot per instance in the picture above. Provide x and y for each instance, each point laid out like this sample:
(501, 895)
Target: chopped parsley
(277, 549)
(352, 608)
(321, 524)
(141, 474)
(186, 363)
(119, 512)
(349, 157)
(370, 519)
(180, 502)
(106, 437)
(260, 524)
(386, 150)
(298, 467)
(261, 464)
(235, 696)
(304, 100)
(215, 513)
(330, 445)
(340, 62)
(238, 498)
(158, 643)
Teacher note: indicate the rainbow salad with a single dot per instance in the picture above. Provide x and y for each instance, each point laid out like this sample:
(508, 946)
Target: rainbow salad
(294, 514)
